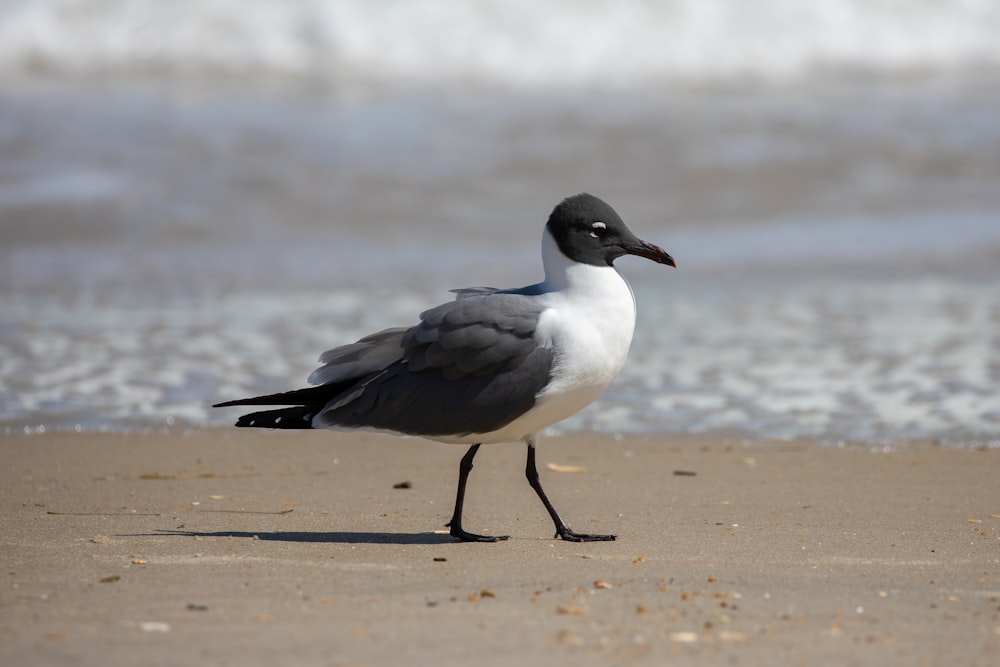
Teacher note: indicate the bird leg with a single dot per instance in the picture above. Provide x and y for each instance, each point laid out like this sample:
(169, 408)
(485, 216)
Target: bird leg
(562, 530)
(464, 468)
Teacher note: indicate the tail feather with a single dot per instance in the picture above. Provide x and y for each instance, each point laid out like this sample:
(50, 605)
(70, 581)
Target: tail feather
(299, 417)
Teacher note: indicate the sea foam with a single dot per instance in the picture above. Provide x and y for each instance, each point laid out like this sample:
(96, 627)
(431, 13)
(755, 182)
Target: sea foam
(496, 42)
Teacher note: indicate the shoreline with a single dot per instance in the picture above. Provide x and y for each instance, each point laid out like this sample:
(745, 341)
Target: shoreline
(227, 547)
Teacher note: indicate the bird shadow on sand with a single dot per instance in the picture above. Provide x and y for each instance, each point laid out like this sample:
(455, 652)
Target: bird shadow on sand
(320, 538)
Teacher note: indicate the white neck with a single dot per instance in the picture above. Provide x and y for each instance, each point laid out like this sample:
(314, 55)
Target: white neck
(564, 275)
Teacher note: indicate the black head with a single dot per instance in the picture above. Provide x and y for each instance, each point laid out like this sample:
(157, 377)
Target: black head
(589, 231)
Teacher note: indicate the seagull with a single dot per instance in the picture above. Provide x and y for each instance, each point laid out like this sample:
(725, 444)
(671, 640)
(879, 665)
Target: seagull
(492, 366)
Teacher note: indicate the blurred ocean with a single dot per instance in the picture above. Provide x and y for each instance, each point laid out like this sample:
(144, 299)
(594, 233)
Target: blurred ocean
(197, 198)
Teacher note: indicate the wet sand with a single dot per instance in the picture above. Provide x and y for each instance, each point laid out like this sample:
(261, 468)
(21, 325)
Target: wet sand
(221, 547)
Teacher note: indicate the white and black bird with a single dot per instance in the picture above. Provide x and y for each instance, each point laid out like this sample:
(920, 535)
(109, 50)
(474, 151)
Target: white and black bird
(492, 366)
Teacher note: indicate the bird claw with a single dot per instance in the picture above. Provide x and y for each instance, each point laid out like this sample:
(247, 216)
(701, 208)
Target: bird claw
(457, 532)
(570, 536)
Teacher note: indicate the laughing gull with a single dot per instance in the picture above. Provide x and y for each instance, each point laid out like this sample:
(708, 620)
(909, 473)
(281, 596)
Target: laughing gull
(493, 365)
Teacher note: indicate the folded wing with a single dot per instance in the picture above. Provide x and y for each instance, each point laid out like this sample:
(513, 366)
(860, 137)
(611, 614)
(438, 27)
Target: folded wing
(470, 366)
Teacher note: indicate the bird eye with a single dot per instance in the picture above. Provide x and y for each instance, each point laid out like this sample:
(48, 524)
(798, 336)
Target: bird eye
(598, 229)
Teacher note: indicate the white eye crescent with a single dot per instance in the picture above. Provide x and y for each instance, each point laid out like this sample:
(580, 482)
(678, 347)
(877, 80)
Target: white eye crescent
(597, 229)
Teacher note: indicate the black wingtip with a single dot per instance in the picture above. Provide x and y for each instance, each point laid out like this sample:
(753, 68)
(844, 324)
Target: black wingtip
(299, 417)
(316, 396)
(245, 421)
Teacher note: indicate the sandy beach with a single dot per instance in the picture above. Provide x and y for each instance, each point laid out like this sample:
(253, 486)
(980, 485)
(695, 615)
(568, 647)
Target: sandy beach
(219, 547)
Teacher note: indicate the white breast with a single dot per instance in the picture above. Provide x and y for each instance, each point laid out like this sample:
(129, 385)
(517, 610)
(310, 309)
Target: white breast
(589, 328)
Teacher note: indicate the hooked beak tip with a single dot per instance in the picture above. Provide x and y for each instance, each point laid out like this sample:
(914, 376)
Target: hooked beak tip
(653, 252)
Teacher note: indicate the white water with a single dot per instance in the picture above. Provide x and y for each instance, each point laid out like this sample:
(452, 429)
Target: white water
(165, 246)
(603, 43)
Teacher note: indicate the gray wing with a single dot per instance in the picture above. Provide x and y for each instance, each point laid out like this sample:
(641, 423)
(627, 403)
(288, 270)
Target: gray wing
(466, 292)
(369, 355)
(470, 366)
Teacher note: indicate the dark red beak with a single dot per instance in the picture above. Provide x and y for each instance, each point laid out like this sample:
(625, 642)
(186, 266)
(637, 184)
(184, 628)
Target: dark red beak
(650, 251)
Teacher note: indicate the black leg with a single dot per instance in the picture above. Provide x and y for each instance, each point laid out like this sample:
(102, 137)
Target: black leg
(464, 468)
(562, 530)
